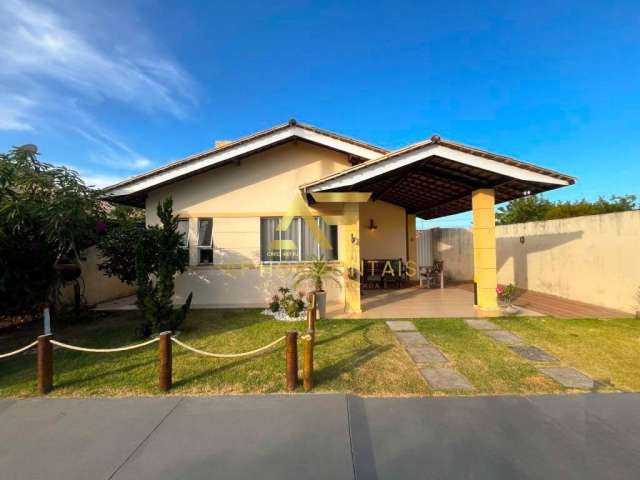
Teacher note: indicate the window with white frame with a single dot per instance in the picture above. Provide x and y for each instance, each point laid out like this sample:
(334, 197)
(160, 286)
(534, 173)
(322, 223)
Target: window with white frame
(300, 242)
(205, 240)
(183, 229)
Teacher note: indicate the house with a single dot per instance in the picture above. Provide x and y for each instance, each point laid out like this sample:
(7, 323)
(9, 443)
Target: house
(254, 209)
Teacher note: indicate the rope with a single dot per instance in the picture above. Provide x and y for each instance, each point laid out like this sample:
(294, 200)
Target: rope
(227, 355)
(20, 350)
(104, 350)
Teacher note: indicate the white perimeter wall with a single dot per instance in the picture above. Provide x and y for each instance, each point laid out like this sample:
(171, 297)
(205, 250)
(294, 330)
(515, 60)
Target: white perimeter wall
(593, 259)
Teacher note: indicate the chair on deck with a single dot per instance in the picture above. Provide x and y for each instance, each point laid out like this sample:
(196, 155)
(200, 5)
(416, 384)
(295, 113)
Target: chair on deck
(432, 275)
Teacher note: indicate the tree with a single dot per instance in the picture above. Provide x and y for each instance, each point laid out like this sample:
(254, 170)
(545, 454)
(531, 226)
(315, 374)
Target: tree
(157, 262)
(527, 209)
(123, 230)
(536, 208)
(48, 216)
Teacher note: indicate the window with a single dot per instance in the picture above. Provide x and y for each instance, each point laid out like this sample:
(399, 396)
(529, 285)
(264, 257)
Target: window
(183, 228)
(300, 242)
(205, 237)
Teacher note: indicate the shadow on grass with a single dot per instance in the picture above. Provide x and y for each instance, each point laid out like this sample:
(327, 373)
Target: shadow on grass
(182, 382)
(333, 371)
(323, 340)
(106, 373)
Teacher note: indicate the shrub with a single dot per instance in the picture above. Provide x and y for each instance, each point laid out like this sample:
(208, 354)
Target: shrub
(156, 287)
(274, 306)
(506, 293)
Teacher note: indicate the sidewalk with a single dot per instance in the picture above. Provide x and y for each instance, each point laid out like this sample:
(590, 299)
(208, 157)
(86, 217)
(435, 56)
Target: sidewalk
(321, 437)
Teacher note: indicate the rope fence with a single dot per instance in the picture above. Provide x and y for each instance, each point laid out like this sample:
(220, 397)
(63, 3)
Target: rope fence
(20, 350)
(103, 350)
(228, 355)
(45, 344)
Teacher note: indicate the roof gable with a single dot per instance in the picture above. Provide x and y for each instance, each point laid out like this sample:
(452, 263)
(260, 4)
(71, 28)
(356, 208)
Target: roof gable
(138, 185)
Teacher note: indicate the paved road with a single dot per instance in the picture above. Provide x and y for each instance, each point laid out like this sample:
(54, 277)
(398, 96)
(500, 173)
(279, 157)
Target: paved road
(591, 436)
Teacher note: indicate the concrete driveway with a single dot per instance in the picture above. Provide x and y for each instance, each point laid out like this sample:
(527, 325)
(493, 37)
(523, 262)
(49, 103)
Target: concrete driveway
(590, 436)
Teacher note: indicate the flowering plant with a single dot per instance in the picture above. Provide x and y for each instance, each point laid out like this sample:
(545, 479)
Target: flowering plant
(506, 293)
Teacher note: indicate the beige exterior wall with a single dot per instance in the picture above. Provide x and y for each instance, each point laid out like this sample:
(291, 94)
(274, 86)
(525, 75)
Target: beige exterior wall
(97, 286)
(454, 246)
(236, 196)
(593, 259)
(389, 240)
(266, 184)
(263, 184)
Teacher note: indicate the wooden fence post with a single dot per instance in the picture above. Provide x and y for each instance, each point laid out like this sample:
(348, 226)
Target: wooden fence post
(291, 360)
(307, 364)
(45, 364)
(165, 361)
(312, 313)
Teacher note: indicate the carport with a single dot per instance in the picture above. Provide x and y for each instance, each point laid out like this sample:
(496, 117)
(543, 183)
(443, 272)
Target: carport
(432, 179)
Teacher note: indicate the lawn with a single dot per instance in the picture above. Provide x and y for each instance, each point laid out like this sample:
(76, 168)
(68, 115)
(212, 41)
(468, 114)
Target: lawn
(357, 356)
(606, 350)
(351, 356)
(490, 366)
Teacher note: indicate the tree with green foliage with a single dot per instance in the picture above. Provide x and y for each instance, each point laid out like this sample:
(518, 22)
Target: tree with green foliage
(537, 208)
(48, 216)
(122, 232)
(157, 262)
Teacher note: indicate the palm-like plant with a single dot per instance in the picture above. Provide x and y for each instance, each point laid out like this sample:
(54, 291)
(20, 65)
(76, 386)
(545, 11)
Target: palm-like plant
(317, 271)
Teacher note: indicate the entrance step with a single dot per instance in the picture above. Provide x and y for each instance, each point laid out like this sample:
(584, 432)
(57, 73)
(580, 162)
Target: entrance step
(569, 377)
(401, 326)
(445, 379)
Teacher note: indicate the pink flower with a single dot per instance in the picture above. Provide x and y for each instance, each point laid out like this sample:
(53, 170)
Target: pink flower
(500, 290)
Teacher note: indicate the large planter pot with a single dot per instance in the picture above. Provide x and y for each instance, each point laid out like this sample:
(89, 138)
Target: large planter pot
(321, 303)
(510, 309)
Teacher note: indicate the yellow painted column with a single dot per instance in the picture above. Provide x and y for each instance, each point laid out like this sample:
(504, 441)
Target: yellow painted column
(484, 248)
(412, 247)
(350, 256)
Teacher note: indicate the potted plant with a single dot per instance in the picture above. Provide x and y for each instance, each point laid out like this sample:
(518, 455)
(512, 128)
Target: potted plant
(505, 294)
(317, 271)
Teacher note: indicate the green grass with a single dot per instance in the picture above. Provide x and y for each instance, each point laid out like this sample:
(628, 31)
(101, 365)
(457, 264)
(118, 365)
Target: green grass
(606, 350)
(358, 356)
(351, 356)
(490, 367)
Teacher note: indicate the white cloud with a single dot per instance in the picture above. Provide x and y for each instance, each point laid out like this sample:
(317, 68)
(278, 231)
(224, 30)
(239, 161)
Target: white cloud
(13, 112)
(39, 42)
(61, 61)
(100, 181)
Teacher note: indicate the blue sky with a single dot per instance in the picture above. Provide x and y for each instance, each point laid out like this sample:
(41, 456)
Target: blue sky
(115, 88)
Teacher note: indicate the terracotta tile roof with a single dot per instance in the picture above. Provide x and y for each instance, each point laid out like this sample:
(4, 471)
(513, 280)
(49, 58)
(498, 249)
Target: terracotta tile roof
(242, 140)
(435, 139)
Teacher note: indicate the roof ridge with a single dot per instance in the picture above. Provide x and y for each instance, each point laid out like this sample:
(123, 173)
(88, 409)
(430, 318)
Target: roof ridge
(196, 156)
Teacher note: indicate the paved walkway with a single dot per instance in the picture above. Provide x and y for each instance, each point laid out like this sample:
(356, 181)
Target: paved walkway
(591, 436)
(566, 376)
(429, 359)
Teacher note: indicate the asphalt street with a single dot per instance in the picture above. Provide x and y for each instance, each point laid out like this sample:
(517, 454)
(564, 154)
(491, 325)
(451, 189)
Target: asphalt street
(592, 436)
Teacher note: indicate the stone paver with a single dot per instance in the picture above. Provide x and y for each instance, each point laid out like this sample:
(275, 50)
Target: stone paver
(480, 324)
(445, 379)
(505, 337)
(569, 377)
(402, 326)
(533, 354)
(411, 339)
(429, 354)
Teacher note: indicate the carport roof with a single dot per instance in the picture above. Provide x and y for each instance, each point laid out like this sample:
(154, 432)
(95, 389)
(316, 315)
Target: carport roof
(436, 177)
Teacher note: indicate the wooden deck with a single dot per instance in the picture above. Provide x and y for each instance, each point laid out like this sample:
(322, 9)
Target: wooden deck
(560, 307)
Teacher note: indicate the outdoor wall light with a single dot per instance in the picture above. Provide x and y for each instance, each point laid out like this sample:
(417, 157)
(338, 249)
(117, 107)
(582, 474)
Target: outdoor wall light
(372, 225)
(521, 239)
